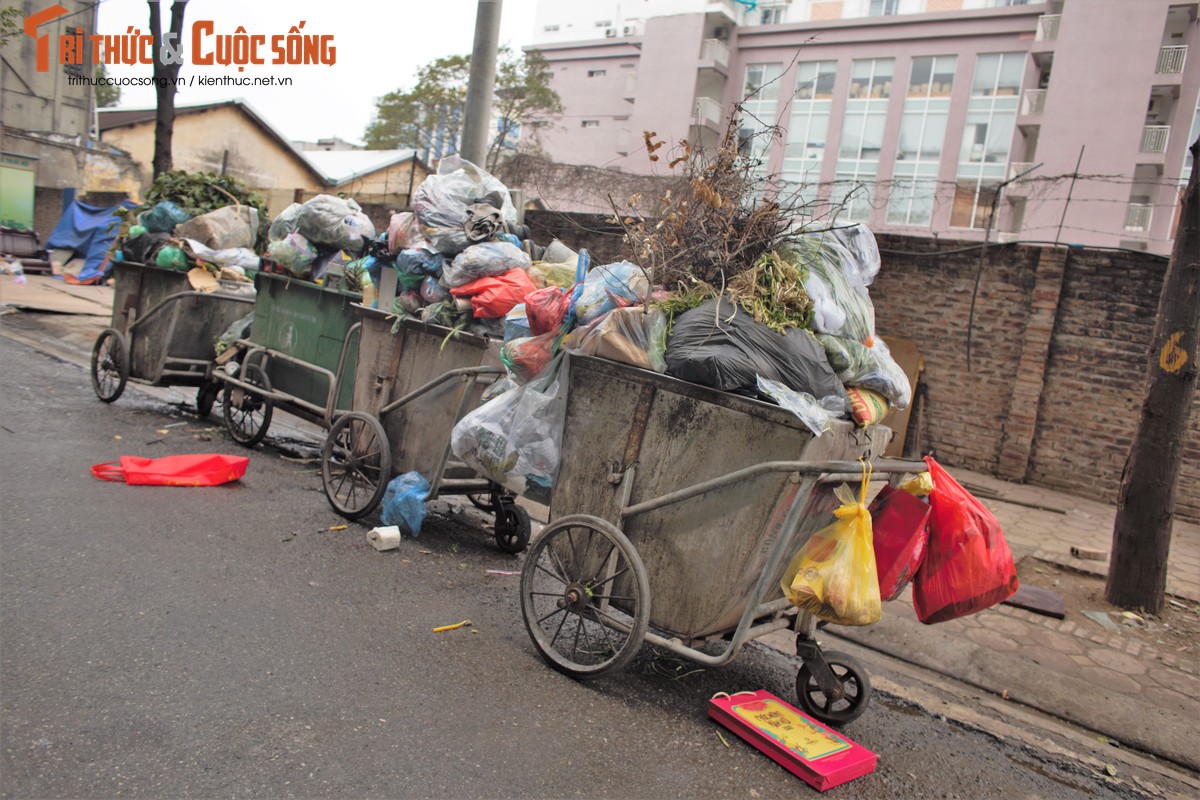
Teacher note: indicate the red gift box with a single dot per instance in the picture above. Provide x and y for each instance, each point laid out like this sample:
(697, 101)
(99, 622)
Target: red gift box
(899, 528)
(804, 747)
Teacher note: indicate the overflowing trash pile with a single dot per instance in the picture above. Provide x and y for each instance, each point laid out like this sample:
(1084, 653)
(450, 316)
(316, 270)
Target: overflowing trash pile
(195, 221)
(307, 238)
(792, 324)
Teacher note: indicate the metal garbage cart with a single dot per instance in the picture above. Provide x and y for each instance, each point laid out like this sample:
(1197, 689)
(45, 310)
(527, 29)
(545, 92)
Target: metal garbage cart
(300, 356)
(696, 499)
(163, 332)
(410, 389)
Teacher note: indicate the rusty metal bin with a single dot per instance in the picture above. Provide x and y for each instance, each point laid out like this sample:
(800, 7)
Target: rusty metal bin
(163, 331)
(410, 388)
(704, 555)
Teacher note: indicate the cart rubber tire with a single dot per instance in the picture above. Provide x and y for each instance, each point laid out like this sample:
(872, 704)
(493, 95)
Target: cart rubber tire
(855, 683)
(247, 414)
(110, 364)
(356, 464)
(559, 592)
(512, 528)
(206, 397)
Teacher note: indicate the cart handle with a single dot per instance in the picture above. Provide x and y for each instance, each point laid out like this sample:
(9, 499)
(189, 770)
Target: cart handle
(461, 372)
(825, 471)
(161, 304)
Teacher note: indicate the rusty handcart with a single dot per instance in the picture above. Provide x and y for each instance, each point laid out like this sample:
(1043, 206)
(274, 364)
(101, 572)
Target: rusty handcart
(410, 389)
(300, 356)
(163, 332)
(695, 499)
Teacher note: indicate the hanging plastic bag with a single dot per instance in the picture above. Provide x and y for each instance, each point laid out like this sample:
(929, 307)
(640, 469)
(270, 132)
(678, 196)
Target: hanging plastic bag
(867, 367)
(899, 528)
(833, 576)
(516, 438)
(202, 469)
(628, 335)
(495, 296)
(404, 502)
(529, 357)
(968, 566)
(815, 414)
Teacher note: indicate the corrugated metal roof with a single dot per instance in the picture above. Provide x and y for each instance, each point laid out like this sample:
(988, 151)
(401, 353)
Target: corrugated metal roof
(340, 166)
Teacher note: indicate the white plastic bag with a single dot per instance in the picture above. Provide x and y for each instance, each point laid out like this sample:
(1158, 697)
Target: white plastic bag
(441, 202)
(516, 438)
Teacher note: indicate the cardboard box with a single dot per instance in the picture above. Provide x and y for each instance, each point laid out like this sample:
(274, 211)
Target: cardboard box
(822, 757)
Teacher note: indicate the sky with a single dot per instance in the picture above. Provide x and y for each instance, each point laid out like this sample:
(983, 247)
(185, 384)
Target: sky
(380, 46)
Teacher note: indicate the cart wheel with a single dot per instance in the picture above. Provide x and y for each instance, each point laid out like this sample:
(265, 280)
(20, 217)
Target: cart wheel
(247, 414)
(856, 687)
(512, 528)
(585, 597)
(110, 365)
(206, 397)
(356, 463)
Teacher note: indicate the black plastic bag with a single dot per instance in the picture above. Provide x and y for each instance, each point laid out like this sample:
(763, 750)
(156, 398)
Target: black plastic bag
(142, 249)
(727, 350)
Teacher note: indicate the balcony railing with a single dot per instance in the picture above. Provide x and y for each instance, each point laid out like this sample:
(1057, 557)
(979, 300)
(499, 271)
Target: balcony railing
(1137, 216)
(1033, 101)
(708, 110)
(1047, 27)
(715, 50)
(1171, 59)
(1154, 138)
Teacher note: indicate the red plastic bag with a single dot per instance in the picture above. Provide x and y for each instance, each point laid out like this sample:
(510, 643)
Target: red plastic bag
(494, 296)
(968, 566)
(546, 309)
(528, 357)
(202, 469)
(899, 523)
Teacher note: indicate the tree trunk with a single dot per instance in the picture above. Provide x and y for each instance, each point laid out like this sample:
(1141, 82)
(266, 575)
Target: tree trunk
(166, 71)
(1137, 574)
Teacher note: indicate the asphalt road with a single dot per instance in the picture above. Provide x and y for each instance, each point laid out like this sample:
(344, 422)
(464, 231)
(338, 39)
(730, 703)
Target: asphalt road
(168, 642)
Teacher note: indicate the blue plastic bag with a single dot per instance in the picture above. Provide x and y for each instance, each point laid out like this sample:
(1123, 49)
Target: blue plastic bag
(163, 217)
(516, 323)
(404, 502)
(607, 287)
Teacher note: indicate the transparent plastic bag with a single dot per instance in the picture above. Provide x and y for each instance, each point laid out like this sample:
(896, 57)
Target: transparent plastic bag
(546, 274)
(516, 438)
(293, 252)
(833, 576)
(404, 233)
(285, 223)
(332, 221)
(610, 286)
(815, 414)
(526, 358)
(441, 202)
(482, 261)
(629, 335)
(837, 285)
(867, 367)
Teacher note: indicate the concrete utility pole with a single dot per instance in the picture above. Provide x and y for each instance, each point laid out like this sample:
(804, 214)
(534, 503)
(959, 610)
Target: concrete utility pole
(1137, 571)
(481, 82)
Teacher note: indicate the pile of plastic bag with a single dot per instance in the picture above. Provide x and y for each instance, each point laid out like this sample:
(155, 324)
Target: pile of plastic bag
(220, 241)
(307, 237)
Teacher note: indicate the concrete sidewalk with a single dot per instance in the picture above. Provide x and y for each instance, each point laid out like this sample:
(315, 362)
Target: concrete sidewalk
(1134, 680)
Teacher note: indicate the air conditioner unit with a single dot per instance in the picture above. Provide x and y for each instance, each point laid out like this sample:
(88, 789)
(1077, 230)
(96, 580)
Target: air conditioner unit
(1156, 105)
(632, 30)
(610, 33)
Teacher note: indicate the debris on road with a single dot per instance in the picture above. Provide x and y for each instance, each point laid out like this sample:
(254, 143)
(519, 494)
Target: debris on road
(455, 626)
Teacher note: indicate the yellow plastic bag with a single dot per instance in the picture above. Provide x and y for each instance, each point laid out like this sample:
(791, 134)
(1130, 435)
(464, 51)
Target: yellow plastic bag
(833, 576)
(920, 486)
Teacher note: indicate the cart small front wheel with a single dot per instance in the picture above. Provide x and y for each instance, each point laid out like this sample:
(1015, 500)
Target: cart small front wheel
(206, 398)
(110, 365)
(512, 528)
(585, 597)
(247, 413)
(855, 685)
(356, 463)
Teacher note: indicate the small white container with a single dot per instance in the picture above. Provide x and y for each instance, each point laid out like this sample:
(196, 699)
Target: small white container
(385, 538)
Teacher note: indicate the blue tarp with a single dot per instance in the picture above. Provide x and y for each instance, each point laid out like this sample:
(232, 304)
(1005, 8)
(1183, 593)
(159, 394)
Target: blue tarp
(89, 231)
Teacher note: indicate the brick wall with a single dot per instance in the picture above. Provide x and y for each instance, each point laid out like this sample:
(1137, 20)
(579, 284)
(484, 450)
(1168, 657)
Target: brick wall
(47, 210)
(1059, 347)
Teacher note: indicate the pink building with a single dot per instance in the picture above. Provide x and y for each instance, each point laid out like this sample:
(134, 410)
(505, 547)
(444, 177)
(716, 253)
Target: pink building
(1071, 119)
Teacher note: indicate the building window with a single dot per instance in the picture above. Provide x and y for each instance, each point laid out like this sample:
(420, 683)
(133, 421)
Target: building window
(862, 137)
(761, 93)
(550, 28)
(604, 23)
(597, 73)
(808, 128)
(590, 123)
(922, 134)
(770, 16)
(987, 136)
(883, 8)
